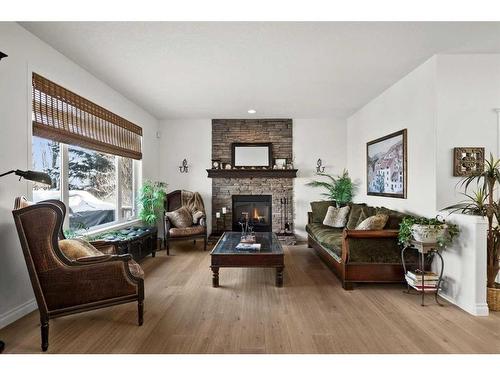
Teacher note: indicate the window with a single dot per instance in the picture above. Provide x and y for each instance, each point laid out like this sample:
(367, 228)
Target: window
(46, 156)
(97, 187)
(90, 153)
(92, 185)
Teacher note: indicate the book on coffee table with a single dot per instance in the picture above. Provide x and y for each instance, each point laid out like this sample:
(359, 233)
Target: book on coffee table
(248, 246)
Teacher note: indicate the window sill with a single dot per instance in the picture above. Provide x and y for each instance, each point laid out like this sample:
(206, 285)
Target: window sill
(112, 227)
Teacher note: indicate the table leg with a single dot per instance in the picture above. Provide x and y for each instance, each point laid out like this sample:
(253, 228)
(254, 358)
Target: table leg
(215, 277)
(422, 260)
(440, 278)
(279, 276)
(2, 346)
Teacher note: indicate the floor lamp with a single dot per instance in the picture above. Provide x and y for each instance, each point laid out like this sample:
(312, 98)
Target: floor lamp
(35, 176)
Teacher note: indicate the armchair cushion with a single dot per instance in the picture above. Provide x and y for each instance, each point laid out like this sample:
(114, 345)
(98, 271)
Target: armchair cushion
(78, 248)
(180, 218)
(186, 232)
(197, 216)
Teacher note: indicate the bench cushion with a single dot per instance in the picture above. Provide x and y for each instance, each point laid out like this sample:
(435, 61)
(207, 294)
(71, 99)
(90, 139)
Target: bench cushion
(328, 237)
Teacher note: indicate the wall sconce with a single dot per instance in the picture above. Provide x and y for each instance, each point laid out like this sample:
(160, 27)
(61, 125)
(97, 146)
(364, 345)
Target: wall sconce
(319, 166)
(184, 167)
(2, 55)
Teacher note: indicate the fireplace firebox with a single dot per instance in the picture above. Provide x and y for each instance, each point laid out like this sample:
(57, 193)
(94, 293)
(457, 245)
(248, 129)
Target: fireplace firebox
(258, 209)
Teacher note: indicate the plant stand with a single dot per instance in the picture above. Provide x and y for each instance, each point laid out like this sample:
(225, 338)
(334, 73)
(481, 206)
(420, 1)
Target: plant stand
(424, 249)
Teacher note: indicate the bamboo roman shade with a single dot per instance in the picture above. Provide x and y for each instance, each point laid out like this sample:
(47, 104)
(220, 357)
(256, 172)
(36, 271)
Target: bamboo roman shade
(66, 117)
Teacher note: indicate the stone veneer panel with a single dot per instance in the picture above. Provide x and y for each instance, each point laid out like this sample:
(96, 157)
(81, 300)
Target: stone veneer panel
(225, 132)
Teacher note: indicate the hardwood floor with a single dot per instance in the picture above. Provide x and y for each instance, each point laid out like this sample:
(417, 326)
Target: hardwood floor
(248, 314)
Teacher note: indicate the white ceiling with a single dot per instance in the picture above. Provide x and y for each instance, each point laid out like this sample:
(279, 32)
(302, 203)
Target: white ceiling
(282, 69)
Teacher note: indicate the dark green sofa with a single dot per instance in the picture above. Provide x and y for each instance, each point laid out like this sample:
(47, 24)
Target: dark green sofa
(359, 255)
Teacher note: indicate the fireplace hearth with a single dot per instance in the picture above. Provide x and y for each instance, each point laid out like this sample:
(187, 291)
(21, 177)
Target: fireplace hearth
(258, 209)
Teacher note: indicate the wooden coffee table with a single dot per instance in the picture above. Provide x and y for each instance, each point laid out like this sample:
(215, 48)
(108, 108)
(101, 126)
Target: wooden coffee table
(270, 255)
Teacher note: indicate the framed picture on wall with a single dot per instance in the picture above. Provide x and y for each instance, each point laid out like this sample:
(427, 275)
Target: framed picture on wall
(386, 165)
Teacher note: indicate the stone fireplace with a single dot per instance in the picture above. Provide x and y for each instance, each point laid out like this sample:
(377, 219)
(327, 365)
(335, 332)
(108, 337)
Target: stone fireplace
(250, 189)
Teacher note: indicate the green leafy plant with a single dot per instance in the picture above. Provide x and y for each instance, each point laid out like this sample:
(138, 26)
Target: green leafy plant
(339, 189)
(445, 232)
(150, 200)
(482, 202)
(77, 231)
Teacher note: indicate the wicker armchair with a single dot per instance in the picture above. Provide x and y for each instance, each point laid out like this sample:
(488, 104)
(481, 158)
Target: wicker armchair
(63, 286)
(171, 233)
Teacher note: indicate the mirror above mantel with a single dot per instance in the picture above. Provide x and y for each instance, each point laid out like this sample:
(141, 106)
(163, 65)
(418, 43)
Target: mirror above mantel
(251, 155)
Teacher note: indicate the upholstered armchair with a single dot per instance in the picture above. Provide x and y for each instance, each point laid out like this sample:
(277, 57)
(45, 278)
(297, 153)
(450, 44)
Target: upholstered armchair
(197, 229)
(65, 286)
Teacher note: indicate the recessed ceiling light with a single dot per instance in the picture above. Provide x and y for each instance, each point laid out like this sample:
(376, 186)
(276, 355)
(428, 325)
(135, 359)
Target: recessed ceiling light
(252, 111)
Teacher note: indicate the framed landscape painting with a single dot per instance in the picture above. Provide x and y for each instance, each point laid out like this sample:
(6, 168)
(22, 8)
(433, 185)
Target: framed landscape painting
(386, 165)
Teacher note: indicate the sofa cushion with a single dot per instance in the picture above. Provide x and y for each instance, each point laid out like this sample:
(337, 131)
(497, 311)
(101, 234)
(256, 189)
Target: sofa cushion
(354, 214)
(395, 217)
(185, 232)
(180, 218)
(78, 248)
(319, 210)
(375, 222)
(328, 237)
(336, 217)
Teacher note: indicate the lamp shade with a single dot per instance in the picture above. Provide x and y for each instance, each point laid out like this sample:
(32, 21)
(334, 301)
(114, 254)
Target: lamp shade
(35, 176)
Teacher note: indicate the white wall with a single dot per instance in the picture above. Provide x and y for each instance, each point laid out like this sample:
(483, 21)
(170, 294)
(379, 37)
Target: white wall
(447, 102)
(408, 104)
(314, 139)
(468, 88)
(464, 277)
(26, 54)
(192, 140)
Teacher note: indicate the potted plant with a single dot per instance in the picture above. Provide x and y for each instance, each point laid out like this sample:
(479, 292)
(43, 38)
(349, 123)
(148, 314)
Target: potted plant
(426, 230)
(482, 202)
(339, 189)
(151, 200)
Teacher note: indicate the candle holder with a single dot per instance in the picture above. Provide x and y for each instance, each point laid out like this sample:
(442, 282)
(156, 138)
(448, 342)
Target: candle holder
(319, 166)
(184, 168)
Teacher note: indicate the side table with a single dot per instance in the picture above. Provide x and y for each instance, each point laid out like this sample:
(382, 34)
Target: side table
(424, 248)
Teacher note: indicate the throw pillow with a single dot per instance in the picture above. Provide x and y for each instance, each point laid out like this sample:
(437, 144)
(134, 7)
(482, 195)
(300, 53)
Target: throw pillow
(336, 217)
(180, 218)
(78, 248)
(376, 222)
(319, 209)
(354, 214)
(197, 215)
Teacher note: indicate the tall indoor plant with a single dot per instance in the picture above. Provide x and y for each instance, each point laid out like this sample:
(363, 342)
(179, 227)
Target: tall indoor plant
(482, 201)
(150, 200)
(339, 189)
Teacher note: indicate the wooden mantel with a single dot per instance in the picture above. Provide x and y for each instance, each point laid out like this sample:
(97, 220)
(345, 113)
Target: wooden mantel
(252, 173)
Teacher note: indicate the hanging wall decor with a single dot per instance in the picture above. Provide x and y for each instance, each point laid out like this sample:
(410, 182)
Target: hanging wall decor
(468, 161)
(386, 165)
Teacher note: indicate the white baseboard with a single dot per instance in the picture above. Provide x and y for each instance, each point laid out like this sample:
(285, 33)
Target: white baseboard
(478, 309)
(17, 312)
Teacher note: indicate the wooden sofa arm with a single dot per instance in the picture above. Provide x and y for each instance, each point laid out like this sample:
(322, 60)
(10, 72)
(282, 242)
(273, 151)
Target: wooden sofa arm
(384, 233)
